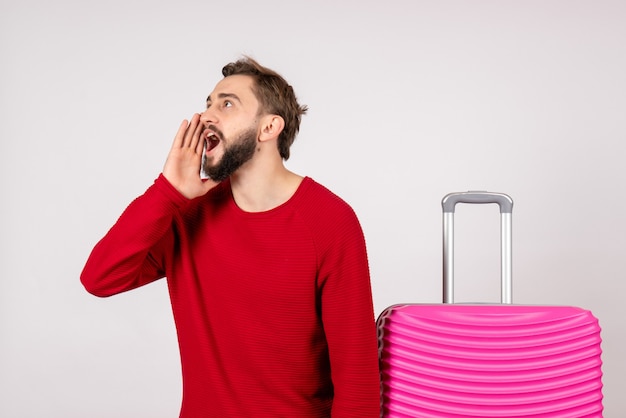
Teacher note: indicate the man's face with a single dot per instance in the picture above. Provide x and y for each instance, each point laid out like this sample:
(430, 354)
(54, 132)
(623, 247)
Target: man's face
(231, 127)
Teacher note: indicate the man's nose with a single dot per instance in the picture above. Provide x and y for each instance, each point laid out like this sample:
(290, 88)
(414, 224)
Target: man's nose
(208, 117)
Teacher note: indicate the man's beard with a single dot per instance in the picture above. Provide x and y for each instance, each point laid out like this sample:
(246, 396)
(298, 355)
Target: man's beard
(235, 155)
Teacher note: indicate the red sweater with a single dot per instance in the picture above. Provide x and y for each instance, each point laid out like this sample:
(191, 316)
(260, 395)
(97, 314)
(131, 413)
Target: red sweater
(273, 310)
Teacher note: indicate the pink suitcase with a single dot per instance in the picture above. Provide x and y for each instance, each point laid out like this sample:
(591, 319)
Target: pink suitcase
(488, 360)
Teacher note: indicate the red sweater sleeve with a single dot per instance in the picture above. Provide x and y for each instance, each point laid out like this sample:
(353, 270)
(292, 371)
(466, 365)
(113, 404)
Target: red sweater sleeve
(130, 254)
(349, 323)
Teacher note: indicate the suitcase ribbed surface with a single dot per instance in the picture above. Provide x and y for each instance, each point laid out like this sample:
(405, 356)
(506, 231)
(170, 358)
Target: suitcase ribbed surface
(490, 361)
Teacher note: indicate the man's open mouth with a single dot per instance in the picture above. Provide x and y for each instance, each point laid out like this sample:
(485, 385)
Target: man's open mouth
(211, 141)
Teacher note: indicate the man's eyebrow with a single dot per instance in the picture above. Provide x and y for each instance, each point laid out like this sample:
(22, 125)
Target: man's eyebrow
(224, 96)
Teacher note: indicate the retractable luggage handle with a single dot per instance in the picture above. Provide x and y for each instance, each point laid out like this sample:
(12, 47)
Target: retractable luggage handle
(506, 209)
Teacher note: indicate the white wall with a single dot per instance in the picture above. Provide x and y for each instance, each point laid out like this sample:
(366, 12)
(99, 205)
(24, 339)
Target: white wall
(409, 100)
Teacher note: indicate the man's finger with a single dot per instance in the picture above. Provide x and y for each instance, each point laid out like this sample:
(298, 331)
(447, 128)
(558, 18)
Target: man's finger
(190, 140)
(180, 135)
(199, 142)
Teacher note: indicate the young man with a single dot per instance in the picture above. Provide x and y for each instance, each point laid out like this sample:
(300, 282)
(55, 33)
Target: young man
(267, 270)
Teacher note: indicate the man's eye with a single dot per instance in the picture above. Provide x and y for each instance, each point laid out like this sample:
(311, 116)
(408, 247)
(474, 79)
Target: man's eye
(228, 103)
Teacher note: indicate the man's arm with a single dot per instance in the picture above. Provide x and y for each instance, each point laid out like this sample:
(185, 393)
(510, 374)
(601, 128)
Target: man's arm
(349, 323)
(132, 253)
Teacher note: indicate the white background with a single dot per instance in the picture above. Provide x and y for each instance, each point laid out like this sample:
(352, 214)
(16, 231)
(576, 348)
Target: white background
(409, 100)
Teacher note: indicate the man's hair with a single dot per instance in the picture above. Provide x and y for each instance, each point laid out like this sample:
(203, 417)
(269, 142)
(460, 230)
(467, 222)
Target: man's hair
(275, 95)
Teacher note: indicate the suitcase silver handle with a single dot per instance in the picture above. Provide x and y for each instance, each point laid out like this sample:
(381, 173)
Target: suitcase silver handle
(506, 269)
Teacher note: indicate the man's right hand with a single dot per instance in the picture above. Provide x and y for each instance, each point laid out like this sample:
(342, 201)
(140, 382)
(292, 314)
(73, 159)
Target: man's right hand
(182, 167)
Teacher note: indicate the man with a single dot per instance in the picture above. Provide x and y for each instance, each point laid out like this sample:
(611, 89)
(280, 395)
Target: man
(267, 270)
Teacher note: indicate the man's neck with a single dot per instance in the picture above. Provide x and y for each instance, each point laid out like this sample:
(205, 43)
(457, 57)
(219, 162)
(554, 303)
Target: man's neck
(262, 190)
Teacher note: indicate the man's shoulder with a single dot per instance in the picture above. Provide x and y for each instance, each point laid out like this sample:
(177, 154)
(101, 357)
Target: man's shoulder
(329, 217)
(323, 195)
(321, 203)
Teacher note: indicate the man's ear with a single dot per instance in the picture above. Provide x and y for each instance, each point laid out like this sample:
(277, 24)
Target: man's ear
(271, 127)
